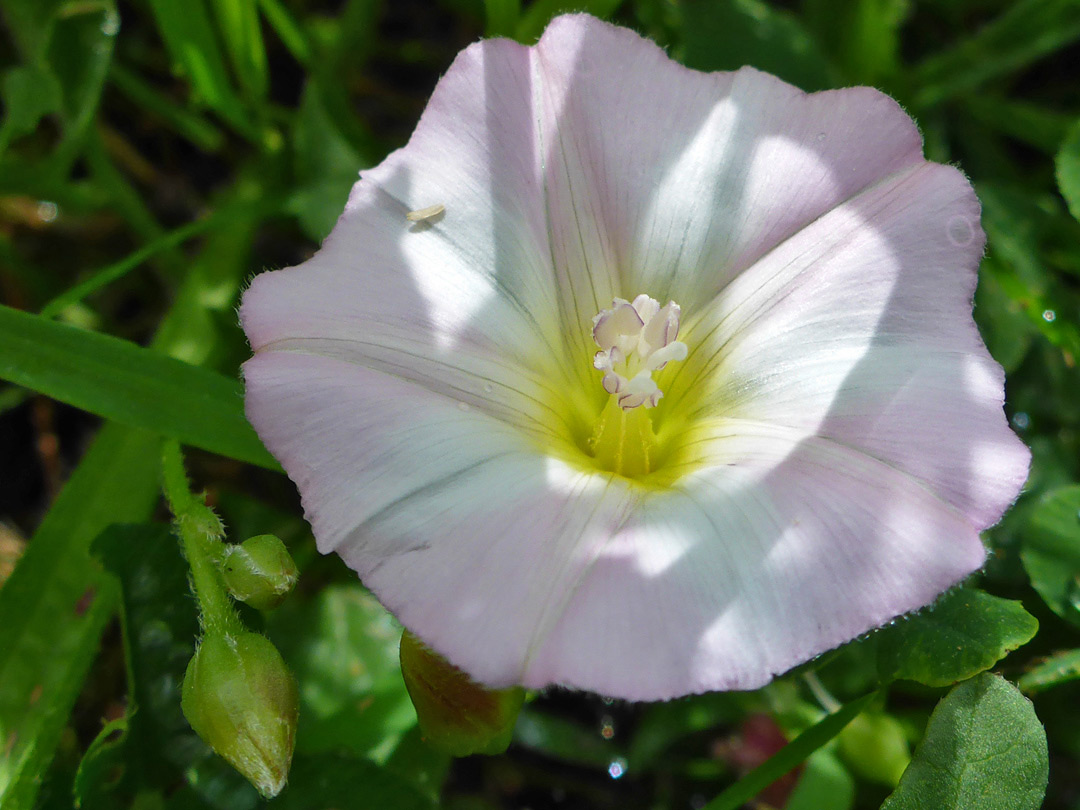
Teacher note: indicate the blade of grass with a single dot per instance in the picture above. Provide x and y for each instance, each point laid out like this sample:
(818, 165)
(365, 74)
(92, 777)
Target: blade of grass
(117, 270)
(789, 757)
(129, 384)
(238, 22)
(287, 29)
(1026, 32)
(181, 120)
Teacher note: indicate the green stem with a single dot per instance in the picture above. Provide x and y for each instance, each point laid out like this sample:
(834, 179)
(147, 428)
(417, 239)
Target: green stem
(789, 757)
(200, 533)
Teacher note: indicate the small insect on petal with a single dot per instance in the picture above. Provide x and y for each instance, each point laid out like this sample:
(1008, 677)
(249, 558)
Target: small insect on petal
(425, 214)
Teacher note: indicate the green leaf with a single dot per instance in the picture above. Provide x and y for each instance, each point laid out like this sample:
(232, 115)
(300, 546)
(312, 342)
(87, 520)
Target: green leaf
(1068, 170)
(1057, 669)
(336, 780)
(725, 35)
(965, 632)
(984, 749)
(1051, 551)
(1027, 31)
(343, 647)
(135, 386)
(790, 756)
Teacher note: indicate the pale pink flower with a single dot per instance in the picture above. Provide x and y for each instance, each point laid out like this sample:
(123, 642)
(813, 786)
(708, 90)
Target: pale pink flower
(753, 302)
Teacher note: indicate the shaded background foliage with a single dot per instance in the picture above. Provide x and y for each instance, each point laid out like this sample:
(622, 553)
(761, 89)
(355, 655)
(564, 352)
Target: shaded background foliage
(154, 154)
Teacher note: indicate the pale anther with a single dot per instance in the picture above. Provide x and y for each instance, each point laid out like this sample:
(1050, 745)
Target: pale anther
(636, 339)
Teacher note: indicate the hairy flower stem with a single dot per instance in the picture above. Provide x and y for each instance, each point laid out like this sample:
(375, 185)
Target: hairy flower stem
(200, 533)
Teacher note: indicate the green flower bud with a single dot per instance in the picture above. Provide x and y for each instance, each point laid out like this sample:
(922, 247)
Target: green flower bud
(242, 700)
(456, 714)
(875, 747)
(259, 571)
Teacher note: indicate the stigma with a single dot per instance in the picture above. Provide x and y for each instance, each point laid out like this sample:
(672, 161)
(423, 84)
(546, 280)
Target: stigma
(635, 339)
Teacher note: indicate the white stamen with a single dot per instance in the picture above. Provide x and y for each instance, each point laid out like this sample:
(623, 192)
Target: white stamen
(636, 339)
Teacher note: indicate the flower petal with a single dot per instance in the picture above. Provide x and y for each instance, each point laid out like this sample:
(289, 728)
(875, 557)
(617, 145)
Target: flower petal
(791, 545)
(670, 182)
(858, 328)
(471, 537)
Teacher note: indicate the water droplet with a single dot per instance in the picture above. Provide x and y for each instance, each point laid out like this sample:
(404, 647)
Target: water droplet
(821, 136)
(463, 407)
(1021, 420)
(617, 768)
(960, 231)
(488, 388)
(1049, 315)
(110, 26)
(607, 727)
(47, 211)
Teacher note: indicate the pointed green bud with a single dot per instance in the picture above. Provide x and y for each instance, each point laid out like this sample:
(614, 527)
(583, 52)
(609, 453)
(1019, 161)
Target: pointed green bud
(875, 747)
(242, 700)
(456, 714)
(259, 571)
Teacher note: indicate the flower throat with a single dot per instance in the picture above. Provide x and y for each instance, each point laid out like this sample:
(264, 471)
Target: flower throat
(635, 339)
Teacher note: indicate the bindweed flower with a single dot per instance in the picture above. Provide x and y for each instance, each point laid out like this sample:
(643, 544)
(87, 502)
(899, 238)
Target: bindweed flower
(678, 389)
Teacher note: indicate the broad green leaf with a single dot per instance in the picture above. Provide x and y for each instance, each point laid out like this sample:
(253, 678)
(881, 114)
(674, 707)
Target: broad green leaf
(30, 23)
(29, 93)
(825, 784)
(343, 647)
(1028, 30)
(1051, 551)
(727, 34)
(790, 756)
(135, 386)
(984, 749)
(337, 780)
(965, 632)
(1056, 669)
(238, 21)
(56, 603)
(862, 36)
(1068, 170)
